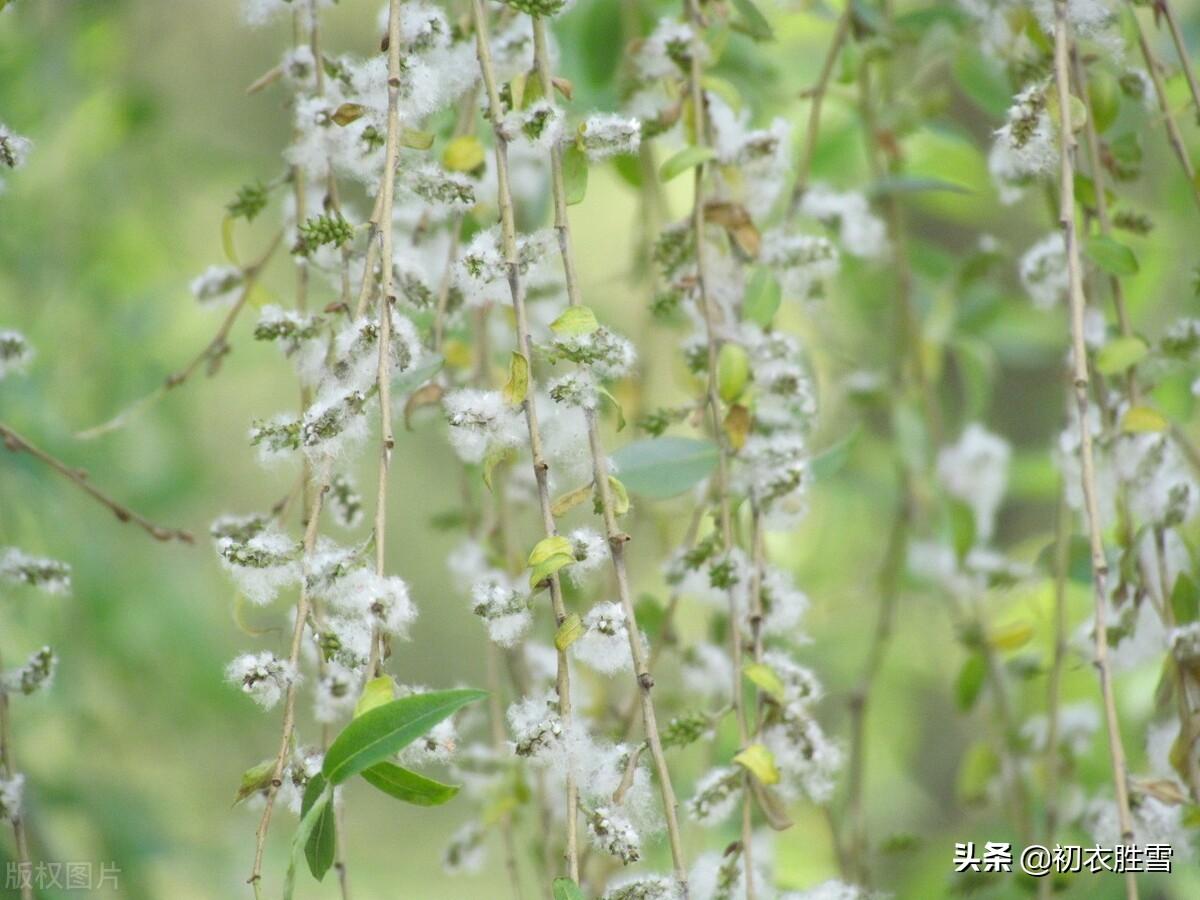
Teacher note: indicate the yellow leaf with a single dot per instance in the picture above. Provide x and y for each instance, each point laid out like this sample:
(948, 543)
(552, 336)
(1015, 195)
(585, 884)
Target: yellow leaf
(569, 631)
(737, 426)
(765, 678)
(759, 762)
(1140, 419)
(518, 380)
(495, 457)
(463, 154)
(548, 556)
(570, 500)
(457, 354)
(619, 496)
(733, 371)
(376, 692)
(1012, 636)
(575, 320)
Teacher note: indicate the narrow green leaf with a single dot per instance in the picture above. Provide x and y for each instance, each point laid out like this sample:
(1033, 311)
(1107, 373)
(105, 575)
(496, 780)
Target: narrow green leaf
(616, 404)
(685, 159)
(408, 786)
(575, 174)
(321, 847)
(893, 185)
(755, 22)
(833, 458)
(1112, 256)
(762, 298)
(318, 802)
(388, 729)
(970, 681)
(664, 467)
(1119, 354)
(1185, 600)
(566, 889)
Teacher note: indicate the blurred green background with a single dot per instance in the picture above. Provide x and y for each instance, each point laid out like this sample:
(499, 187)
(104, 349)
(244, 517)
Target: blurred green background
(142, 132)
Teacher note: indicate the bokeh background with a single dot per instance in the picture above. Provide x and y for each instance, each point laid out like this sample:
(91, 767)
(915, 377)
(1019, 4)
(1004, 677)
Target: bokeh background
(142, 132)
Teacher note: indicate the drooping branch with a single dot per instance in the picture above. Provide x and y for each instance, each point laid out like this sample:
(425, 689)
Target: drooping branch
(508, 234)
(19, 444)
(1082, 383)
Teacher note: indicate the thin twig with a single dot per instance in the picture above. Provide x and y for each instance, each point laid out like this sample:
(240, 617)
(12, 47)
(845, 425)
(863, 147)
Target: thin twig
(79, 477)
(541, 468)
(1174, 137)
(289, 707)
(1088, 468)
(8, 769)
(212, 354)
(1163, 8)
(712, 399)
(617, 539)
(816, 95)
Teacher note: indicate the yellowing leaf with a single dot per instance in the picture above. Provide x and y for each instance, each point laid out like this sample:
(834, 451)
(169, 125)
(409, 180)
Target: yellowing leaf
(255, 779)
(759, 762)
(463, 154)
(1140, 419)
(1012, 636)
(457, 354)
(575, 320)
(765, 678)
(347, 113)
(568, 501)
(495, 457)
(569, 631)
(737, 426)
(620, 496)
(548, 556)
(416, 140)
(1119, 354)
(376, 692)
(517, 386)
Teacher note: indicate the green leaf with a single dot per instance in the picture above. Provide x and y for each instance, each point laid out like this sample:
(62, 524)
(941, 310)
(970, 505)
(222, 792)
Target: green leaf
(970, 681)
(416, 140)
(517, 386)
(411, 379)
(759, 762)
(575, 320)
(893, 185)
(321, 846)
(833, 458)
(568, 632)
(733, 371)
(983, 80)
(375, 692)
(1112, 256)
(685, 159)
(388, 729)
(762, 298)
(575, 174)
(407, 786)
(1119, 354)
(765, 678)
(566, 889)
(227, 239)
(1185, 600)
(618, 495)
(616, 404)
(962, 528)
(755, 22)
(318, 803)
(495, 456)
(255, 779)
(1012, 636)
(664, 467)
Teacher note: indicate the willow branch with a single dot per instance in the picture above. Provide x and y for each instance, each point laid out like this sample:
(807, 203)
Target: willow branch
(816, 95)
(617, 539)
(289, 706)
(79, 477)
(1088, 467)
(1164, 8)
(1174, 137)
(384, 379)
(541, 469)
(212, 354)
(8, 769)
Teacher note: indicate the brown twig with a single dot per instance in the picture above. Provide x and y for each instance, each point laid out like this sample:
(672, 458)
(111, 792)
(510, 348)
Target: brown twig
(18, 444)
